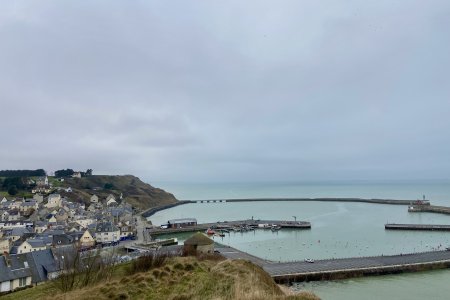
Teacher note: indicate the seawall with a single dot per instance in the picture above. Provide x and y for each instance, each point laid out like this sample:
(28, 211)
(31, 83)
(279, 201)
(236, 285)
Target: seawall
(374, 201)
(154, 210)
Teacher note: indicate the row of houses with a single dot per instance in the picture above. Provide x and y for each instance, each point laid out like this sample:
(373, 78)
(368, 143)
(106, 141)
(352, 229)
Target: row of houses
(19, 240)
(55, 221)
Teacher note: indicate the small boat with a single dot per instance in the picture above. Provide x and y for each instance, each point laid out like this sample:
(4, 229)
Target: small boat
(210, 231)
(275, 228)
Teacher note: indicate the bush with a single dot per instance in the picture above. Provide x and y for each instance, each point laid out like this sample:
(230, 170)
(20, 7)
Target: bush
(12, 190)
(108, 186)
(148, 262)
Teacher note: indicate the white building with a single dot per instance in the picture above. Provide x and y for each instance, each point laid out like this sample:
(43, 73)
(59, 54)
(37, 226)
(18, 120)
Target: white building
(94, 199)
(106, 233)
(54, 200)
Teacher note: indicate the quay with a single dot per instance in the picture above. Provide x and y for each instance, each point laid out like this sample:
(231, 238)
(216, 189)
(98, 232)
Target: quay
(431, 227)
(373, 201)
(429, 208)
(342, 268)
(228, 225)
(150, 212)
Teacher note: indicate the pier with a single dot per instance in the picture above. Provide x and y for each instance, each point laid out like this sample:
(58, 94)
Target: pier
(429, 208)
(431, 227)
(341, 268)
(373, 201)
(150, 212)
(228, 225)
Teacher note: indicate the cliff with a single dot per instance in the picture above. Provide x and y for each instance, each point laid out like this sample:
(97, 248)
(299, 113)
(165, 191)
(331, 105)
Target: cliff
(135, 192)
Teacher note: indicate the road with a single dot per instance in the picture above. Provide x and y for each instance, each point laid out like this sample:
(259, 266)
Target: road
(367, 264)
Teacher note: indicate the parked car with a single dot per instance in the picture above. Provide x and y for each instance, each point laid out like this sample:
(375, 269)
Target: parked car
(309, 260)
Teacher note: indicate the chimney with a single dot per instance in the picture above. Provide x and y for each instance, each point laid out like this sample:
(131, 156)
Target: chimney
(7, 259)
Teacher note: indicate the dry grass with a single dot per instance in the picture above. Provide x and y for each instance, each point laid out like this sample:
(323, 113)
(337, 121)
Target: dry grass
(183, 278)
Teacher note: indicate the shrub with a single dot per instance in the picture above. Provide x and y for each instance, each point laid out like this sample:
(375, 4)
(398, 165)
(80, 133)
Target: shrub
(148, 262)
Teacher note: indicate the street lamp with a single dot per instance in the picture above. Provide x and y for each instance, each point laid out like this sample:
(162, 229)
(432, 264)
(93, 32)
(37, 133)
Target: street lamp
(295, 218)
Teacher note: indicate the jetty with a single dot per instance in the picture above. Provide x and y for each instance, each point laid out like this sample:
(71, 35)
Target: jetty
(430, 208)
(243, 225)
(362, 200)
(432, 227)
(341, 268)
(150, 212)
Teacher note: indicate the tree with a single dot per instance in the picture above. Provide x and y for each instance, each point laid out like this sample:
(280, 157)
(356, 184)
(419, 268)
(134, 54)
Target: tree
(20, 183)
(89, 172)
(22, 173)
(12, 190)
(64, 173)
(108, 186)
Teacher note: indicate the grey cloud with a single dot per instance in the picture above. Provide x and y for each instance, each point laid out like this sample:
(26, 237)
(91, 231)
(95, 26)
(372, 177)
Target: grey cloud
(252, 90)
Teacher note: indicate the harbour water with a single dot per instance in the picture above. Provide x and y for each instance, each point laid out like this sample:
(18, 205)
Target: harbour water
(338, 229)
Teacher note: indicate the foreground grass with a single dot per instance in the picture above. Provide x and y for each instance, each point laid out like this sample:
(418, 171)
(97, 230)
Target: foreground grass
(179, 279)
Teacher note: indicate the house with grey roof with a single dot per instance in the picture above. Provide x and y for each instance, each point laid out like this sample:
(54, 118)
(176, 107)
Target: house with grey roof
(17, 233)
(14, 276)
(106, 233)
(42, 263)
(61, 240)
(29, 245)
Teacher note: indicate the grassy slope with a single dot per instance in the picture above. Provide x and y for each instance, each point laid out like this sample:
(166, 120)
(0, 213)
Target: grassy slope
(135, 192)
(181, 278)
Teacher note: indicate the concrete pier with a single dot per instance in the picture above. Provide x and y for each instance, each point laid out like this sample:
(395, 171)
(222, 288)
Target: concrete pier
(373, 201)
(332, 269)
(429, 208)
(431, 227)
(254, 224)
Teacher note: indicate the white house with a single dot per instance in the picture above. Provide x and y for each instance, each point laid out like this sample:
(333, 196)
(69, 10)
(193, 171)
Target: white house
(87, 240)
(106, 233)
(54, 200)
(5, 245)
(40, 226)
(39, 198)
(12, 278)
(94, 199)
(84, 222)
(4, 215)
(111, 201)
(31, 245)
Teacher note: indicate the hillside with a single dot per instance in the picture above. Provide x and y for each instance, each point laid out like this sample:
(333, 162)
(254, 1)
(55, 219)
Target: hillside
(181, 278)
(134, 191)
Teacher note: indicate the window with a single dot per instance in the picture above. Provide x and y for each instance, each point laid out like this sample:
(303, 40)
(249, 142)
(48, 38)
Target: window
(22, 281)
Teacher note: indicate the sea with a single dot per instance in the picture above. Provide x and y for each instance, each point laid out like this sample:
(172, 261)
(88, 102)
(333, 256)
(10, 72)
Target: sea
(338, 229)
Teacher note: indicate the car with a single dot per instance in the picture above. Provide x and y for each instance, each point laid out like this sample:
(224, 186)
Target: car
(125, 258)
(309, 260)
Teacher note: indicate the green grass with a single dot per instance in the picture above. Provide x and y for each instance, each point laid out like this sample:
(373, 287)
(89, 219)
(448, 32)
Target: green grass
(180, 278)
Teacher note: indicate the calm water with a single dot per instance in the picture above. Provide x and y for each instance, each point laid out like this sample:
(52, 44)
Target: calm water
(338, 230)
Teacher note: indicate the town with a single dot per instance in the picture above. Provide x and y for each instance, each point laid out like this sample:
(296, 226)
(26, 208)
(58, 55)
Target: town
(34, 230)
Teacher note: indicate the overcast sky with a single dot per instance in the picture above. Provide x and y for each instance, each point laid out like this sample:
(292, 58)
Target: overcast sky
(227, 90)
